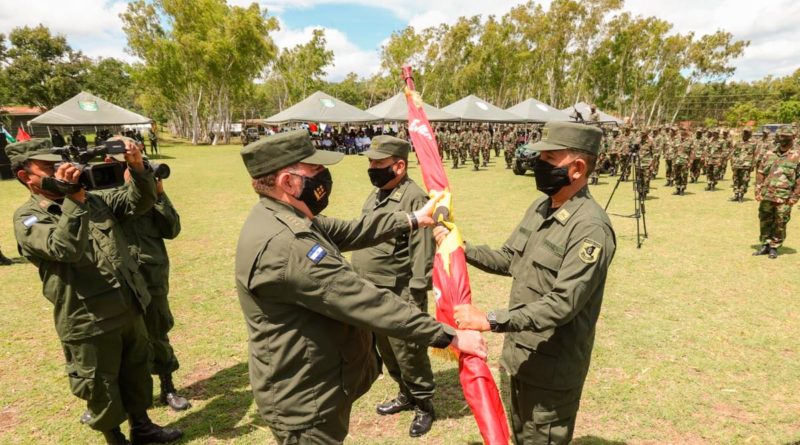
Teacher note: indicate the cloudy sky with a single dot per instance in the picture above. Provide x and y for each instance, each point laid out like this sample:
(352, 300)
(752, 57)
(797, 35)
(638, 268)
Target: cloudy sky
(355, 29)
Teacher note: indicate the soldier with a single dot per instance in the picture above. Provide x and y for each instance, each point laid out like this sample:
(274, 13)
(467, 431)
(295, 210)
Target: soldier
(742, 164)
(485, 144)
(98, 294)
(402, 266)
(727, 153)
(509, 145)
(310, 317)
(626, 140)
(146, 234)
(57, 139)
(699, 150)
(475, 145)
(669, 145)
(715, 156)
(681, 160)
(559, 257)
(777, 190)
(613, 152)
(444, 142)
(594, 177)
(462, 141)
(647, 160)
(153, 141)
(594, 116)
(497, 138)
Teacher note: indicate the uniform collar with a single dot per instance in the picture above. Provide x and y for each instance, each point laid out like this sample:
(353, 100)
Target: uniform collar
(290, 215)
(566, 211)
(396, 194)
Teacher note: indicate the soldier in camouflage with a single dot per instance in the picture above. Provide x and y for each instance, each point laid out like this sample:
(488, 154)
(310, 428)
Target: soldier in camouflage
(742, 164)
(715, 154)
(777, 190)
(682, 159)
(698, 148)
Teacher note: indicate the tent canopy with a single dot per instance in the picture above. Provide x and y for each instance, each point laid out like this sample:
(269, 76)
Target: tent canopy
(321, 107)
(88, 109)
(586, 111)
(396, 109)
(532, 110)
(473, 108)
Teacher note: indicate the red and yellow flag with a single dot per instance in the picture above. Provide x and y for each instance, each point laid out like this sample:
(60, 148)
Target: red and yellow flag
(450, 276)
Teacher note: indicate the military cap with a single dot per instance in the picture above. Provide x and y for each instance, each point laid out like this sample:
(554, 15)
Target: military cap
(569, 135)
(785, 130)
(277, 151)
(747, 129)
(382, 147)
(35, 149)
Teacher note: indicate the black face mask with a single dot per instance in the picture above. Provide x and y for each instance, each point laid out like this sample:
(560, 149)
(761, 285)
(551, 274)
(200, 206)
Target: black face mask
(316, 191)
(381, 176)
(549, 178)
(785, 143)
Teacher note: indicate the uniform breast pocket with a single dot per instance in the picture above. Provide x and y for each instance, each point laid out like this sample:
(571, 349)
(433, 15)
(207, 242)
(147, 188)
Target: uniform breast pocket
(548, 259)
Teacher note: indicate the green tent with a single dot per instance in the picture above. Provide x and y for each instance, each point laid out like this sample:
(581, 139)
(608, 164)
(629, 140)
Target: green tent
(321, 107)
(475, 109)
(396, 109)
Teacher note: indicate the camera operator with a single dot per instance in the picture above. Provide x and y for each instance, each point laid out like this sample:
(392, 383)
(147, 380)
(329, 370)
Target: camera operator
(97, 292)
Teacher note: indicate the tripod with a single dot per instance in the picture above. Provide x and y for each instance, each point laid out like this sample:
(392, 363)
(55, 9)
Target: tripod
(638, 195)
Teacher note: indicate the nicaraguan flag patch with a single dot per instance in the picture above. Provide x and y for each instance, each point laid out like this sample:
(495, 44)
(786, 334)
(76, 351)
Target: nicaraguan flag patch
(316, 254)
(29, 221)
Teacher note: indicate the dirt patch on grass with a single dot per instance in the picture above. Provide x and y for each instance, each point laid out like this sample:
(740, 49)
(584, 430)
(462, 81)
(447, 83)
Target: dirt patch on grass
(8, 418)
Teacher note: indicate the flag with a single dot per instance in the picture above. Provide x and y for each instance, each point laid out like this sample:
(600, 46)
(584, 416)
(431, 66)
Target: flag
(22, 136)
(8, 136)
(450, 275)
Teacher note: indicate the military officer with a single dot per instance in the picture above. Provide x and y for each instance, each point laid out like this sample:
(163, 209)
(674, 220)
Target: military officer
(98, 294)
(777, 189)
(146, 234)
(559, 257)
(403, 266)
(310, 317)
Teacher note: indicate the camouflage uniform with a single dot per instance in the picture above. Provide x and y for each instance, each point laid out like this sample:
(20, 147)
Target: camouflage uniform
(509, 146)
(778, 190)
(742, 165)
(698, 148)
(715, 159)
(625, 141)
(682, 158)
(669, 154)
(647, 157)
(485, 145)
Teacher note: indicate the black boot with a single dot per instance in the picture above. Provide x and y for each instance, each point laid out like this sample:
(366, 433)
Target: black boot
(4, 261)
(423, 418)
(169, 395)
(763, 250)
(115, 437)
(773, 253)
(741, 197)
(143, 431)
(394, 406)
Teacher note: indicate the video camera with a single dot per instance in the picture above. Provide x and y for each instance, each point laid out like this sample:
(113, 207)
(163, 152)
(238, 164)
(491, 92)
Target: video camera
(634, 147)
(96, 176)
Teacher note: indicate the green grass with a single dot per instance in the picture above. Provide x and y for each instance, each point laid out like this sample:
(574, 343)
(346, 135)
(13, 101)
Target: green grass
(697, 341)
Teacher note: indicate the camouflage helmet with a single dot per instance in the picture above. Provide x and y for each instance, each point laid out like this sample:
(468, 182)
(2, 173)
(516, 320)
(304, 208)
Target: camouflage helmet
(785, 130)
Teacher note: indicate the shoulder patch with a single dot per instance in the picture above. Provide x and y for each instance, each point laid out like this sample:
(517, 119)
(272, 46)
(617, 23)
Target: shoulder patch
(589, 251)
(29, 221)
(316, 254)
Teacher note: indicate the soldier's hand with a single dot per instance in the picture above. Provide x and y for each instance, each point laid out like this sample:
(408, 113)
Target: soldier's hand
(69, 173)
(440, 233)
(133, 155)
(425, 214)
(468, 316)
(470, 342)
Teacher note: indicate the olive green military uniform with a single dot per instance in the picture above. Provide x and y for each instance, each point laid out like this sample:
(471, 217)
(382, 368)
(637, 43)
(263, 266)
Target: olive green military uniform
(715, 158)
(310, 317)
(403, 266)
(559, 259)
(97, 292)
(146, 234)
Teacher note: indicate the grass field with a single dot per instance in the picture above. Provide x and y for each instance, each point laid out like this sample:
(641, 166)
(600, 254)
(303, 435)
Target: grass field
(697, 341)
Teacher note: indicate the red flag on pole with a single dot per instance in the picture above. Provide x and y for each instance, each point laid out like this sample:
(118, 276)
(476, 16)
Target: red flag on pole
(450, 277)
(22, 135)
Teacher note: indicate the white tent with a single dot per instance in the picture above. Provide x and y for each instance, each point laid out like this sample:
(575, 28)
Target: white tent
(475, 109)
(86, 109)
(396, 109)
(321, 107)
(532, 110)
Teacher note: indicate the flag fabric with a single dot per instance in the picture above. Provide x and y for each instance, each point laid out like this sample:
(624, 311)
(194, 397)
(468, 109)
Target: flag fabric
(450, 276)
(8, 136)
(22, 136)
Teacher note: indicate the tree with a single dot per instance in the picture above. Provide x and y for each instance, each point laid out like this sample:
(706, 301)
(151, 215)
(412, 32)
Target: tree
(301, 69)
(42, 69)
(111, 79)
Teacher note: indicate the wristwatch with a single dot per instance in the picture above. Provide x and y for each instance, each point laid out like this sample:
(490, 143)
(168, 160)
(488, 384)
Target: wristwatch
(492, 318)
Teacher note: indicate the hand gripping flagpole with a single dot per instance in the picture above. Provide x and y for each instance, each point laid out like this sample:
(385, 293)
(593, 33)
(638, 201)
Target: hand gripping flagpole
(450, 278)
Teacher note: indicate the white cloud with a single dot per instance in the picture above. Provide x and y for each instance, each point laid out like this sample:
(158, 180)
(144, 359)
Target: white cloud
(347, 56)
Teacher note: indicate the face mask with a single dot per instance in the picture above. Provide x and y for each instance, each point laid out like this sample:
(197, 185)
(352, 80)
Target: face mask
(316, 191)
(549, 178)
(786, 142)
(381, 176)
